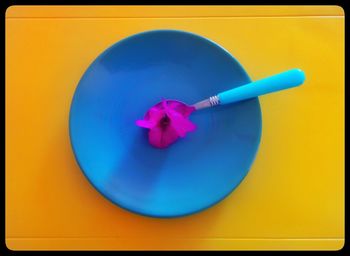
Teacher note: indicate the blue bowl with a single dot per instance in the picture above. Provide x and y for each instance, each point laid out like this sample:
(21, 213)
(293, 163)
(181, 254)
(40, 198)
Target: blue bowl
(118, 88)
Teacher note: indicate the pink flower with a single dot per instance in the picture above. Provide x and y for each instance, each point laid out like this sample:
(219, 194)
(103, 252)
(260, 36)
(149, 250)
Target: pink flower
(167, 121)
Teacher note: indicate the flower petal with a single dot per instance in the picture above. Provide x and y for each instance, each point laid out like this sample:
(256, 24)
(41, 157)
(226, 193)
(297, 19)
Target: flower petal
(181, 108)
(165, 105)
(162, 138)
(155, 114)
(145, 123)
(180, 123)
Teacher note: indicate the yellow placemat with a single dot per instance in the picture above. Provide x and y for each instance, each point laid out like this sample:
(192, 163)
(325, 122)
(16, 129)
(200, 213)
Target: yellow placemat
(292, 198)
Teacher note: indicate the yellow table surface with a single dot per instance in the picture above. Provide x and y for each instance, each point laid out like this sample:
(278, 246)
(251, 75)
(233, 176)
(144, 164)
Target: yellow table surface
(293, 196)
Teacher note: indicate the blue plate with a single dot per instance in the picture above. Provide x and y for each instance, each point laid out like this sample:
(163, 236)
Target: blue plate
(194, 173)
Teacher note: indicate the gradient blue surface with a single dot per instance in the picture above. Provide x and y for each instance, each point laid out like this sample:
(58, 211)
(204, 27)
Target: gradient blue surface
(114, 154)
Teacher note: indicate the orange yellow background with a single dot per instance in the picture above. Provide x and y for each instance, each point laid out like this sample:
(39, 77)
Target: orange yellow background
(293, 196)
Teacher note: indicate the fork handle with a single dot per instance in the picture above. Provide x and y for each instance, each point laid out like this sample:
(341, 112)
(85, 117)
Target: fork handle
(278, 82)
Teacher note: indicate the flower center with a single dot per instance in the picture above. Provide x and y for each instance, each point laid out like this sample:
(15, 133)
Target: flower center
(164, 121)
